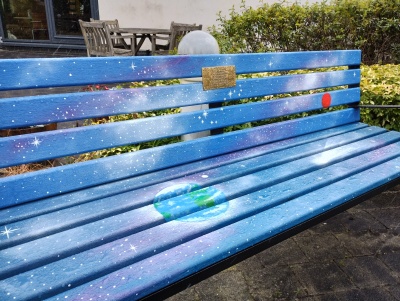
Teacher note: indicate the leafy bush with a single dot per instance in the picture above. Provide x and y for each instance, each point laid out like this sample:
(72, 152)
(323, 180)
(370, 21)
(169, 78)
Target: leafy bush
(380, 85)
(369, 25)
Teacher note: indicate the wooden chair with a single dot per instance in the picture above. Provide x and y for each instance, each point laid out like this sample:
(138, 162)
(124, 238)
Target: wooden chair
(178, 30)
(112, 26)
(98, 39)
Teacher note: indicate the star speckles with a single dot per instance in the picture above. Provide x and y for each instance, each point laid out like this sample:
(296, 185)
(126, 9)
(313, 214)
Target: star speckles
(270, 64)
(133, 67)
(7, 231)
(202, 118)
(133, 248)
(36, 142)
(230, 94)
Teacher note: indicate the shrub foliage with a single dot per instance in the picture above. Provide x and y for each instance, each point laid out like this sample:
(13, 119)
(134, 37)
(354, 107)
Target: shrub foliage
(380, 85)
(369, 25)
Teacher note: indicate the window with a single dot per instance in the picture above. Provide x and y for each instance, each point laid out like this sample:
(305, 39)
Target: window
(67, 13)
(24, 19)
(44, 21)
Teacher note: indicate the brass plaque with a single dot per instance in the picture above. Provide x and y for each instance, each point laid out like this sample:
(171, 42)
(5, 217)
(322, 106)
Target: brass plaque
(218, 77)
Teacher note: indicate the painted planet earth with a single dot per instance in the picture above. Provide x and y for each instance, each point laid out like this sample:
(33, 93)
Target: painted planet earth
(189, 202)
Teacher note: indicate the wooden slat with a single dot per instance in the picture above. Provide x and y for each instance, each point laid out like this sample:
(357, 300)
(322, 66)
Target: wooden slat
(355, 130)
(156, 248)
(25, 111)
(67, 178)
(46, 224)
(44, 73)
(141, 278)
(50, 145)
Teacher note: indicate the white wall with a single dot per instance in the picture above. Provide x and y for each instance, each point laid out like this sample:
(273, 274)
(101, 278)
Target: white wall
(160, 13)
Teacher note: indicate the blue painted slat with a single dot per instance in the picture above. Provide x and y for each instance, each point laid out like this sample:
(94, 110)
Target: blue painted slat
(134, 281)
(44, 73)
(249, 183)
(68, 178)
(61, 143)
(346, 134)
(156, 247)
(24, 111)
(45, 225)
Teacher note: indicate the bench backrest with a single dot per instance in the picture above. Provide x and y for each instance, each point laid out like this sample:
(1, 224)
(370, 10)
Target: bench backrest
(321, 85)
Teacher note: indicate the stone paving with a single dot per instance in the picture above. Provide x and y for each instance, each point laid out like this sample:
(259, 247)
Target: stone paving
(352, 256)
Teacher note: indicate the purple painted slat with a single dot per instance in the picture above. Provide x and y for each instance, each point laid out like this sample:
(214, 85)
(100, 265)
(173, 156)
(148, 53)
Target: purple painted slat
(44, 225)
(95, 172)
(19, 112)
(156, 245)
(50, 145)
(32, 209)
(44, 73)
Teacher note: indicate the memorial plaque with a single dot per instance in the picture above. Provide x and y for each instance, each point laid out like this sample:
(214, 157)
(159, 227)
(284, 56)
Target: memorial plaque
(218, 77)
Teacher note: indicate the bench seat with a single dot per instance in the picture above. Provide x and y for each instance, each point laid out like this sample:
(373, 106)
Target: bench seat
(149, 223)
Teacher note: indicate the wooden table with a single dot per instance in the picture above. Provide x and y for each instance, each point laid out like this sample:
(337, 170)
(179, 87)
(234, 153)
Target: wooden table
(142, 34)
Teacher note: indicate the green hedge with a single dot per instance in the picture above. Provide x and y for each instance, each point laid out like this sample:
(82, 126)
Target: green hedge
(380, 85)
(369, 25)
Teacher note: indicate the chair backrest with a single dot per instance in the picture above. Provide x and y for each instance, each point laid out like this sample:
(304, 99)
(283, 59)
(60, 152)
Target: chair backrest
(178, 30)
(112, 25)
(97, 38)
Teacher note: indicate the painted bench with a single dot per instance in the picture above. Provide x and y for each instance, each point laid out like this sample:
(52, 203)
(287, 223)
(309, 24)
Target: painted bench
(149, 223)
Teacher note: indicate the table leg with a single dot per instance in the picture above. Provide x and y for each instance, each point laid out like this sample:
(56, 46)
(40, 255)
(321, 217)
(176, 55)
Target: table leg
(141, 41)
(134, 44)
(153, 44)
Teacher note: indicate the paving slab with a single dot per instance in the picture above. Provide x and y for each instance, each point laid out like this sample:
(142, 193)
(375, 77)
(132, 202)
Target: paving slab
(395, 291)
(287, 252)
(388, 217)
(367, 272)
(333, 225)
(368, 294)
(359, 244)
(392, 260)
(322, 277)
(322, 247)
(274, 281)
